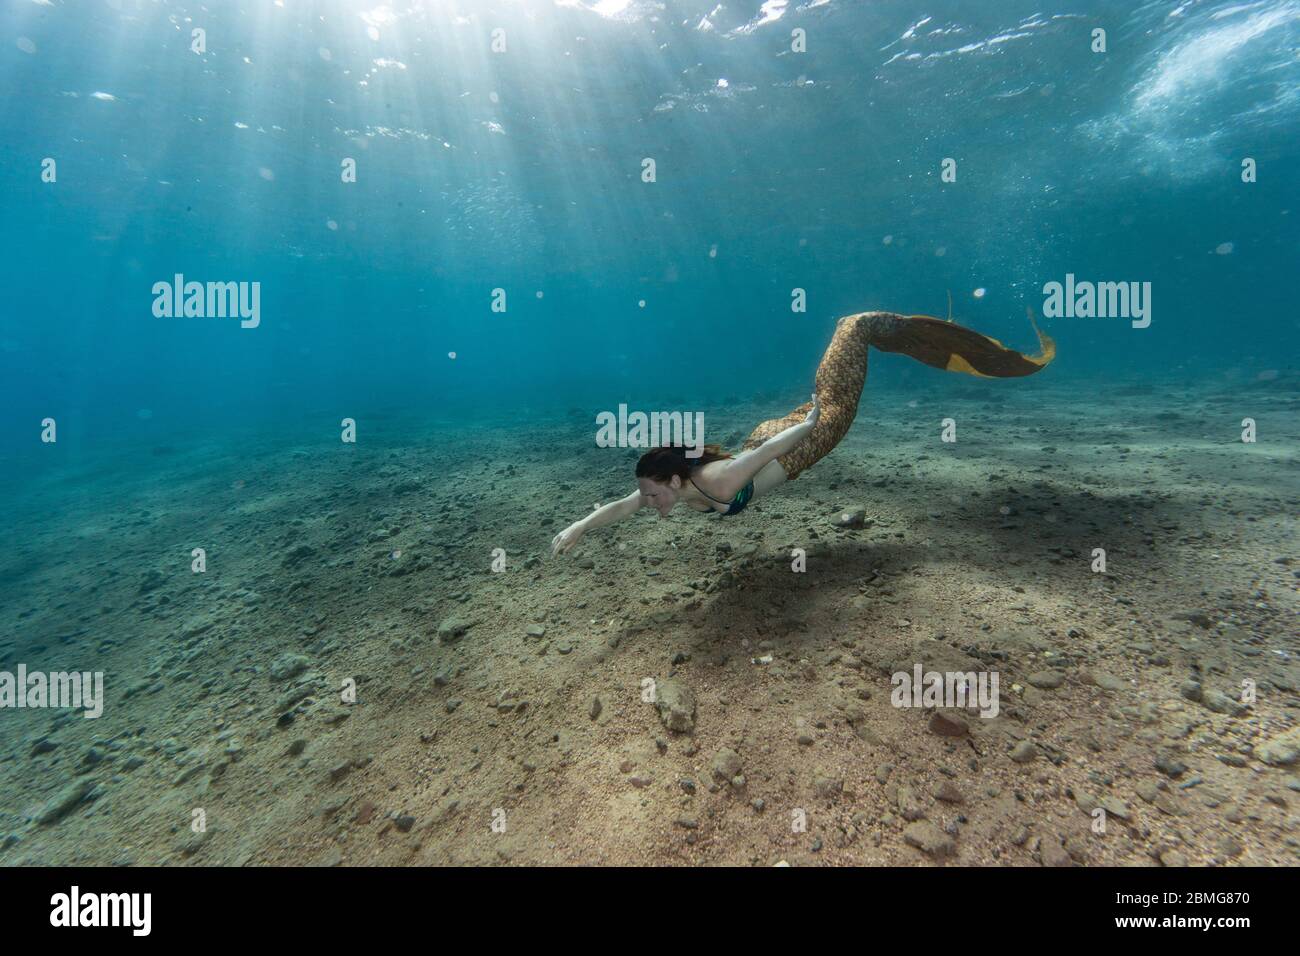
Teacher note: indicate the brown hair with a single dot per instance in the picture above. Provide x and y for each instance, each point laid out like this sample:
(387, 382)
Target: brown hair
(660, 464)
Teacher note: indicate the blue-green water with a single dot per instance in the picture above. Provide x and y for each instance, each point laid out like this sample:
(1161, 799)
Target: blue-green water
(521, 170)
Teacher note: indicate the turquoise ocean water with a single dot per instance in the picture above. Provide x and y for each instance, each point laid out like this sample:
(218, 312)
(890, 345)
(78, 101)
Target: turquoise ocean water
(503, 146)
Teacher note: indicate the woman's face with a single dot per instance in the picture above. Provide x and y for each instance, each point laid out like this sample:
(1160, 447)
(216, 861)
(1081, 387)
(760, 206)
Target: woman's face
(661, 495)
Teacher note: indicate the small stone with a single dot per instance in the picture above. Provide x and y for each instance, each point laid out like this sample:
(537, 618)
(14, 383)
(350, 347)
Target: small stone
(827, 787)
(1221, 703)
(948, 724)
(1229, 847)
(929, 839)
(1167, 803)
(1024, 752)
(850, 518)
(726, 764)
(65, 801)
(1169, 764)
(676, 704)
(1282, 750)
(1116, 808)
(192, 842)
(948, 792)
(452, 629)
(1054, 854)
(1105, 681)
(864, 731)
(288, 665)
(909, 804)
(1046, 680)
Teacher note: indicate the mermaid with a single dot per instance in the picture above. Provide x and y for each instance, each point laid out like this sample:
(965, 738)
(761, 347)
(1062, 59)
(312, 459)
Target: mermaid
(781, 449)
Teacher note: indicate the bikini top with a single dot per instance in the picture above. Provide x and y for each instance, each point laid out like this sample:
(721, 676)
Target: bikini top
(736, 505)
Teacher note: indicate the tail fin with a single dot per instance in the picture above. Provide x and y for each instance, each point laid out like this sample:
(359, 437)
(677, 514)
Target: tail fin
(955, 348)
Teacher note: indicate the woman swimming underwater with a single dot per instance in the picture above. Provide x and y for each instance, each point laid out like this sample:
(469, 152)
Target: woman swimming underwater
(780, 449)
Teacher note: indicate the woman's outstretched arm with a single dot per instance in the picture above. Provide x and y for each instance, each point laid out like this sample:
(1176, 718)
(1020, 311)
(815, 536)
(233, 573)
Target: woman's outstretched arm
(607, 514)
(742, 469)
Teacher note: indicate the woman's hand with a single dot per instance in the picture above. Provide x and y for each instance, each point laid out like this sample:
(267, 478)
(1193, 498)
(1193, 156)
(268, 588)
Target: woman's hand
(566, 539)
(814, 413)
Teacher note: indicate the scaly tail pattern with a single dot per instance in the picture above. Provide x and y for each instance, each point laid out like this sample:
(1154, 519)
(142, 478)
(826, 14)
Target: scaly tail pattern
(843, 372)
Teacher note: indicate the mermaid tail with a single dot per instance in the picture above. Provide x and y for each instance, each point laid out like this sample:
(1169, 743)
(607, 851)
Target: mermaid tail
(843, 371)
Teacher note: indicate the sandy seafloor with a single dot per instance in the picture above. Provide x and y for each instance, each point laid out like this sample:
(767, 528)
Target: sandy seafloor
(329, 562)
